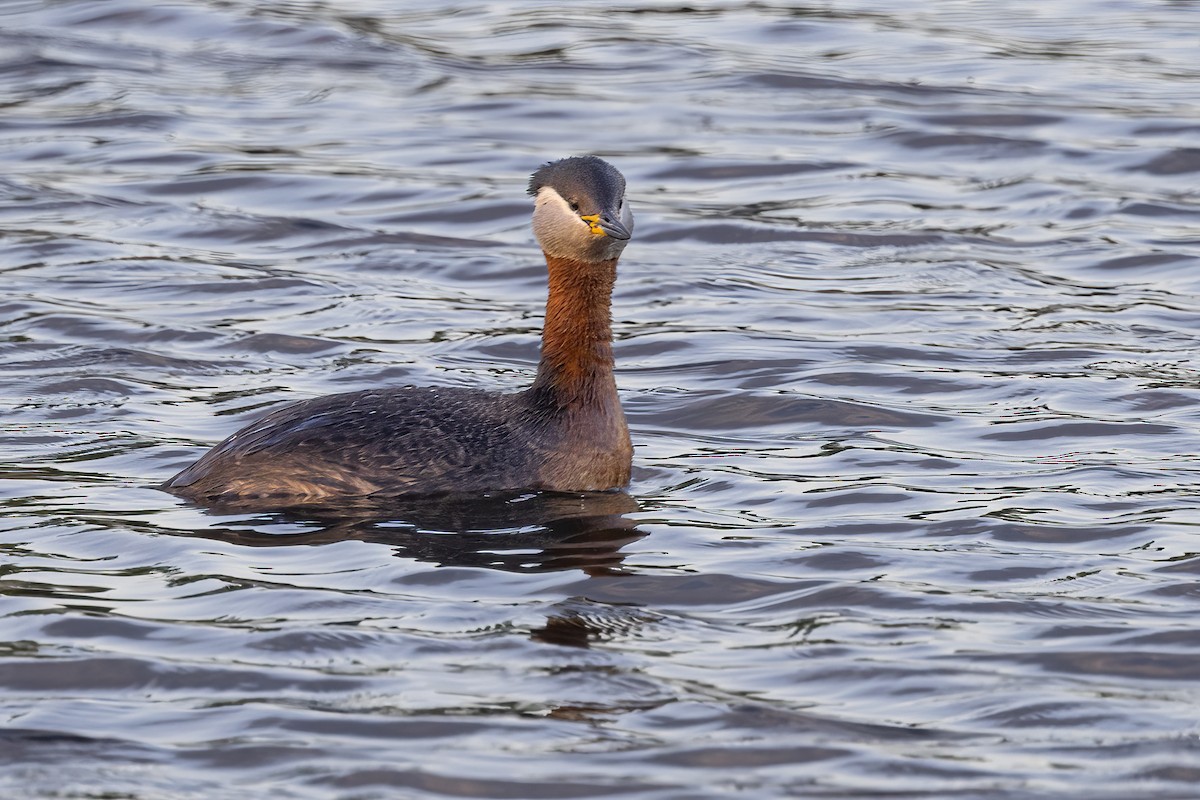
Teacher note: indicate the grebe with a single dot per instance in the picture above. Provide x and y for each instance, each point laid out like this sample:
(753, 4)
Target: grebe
(566, 432)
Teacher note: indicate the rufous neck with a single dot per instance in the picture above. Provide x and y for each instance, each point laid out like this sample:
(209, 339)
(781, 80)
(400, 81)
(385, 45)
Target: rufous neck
(577, 361)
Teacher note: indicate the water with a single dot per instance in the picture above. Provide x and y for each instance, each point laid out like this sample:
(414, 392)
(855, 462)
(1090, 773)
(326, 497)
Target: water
(907, 337)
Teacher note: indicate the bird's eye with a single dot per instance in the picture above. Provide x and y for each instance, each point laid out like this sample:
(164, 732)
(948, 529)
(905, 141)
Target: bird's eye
(574, 206)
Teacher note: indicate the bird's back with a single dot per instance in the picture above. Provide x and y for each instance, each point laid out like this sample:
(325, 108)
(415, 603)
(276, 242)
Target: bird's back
(375, 442)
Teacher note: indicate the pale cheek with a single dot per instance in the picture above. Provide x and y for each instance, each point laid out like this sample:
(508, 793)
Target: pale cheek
(560, 235)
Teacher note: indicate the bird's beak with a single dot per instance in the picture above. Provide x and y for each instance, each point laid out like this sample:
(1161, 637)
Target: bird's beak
(603, 225)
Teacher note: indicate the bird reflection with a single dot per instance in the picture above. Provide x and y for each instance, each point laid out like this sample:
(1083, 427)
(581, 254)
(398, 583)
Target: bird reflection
(525, 532)
(578, 622)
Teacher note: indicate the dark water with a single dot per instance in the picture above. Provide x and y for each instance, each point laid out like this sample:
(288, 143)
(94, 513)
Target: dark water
(908, 340)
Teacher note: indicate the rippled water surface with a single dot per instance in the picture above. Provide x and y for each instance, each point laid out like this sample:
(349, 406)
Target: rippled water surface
(908, 338)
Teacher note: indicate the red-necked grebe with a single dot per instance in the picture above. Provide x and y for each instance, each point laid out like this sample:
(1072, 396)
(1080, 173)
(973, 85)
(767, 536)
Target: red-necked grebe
(566, 432)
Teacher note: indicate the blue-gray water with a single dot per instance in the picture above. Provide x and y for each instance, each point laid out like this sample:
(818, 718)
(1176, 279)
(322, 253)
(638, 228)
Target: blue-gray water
(908, 338)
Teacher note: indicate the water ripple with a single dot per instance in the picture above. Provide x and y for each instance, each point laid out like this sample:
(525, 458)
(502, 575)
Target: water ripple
(906, 339)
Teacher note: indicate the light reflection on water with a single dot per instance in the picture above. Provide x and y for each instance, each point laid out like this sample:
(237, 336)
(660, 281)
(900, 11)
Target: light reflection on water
(906, 338)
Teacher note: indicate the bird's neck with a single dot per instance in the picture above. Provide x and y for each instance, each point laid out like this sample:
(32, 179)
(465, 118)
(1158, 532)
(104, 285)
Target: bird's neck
(577, 361)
